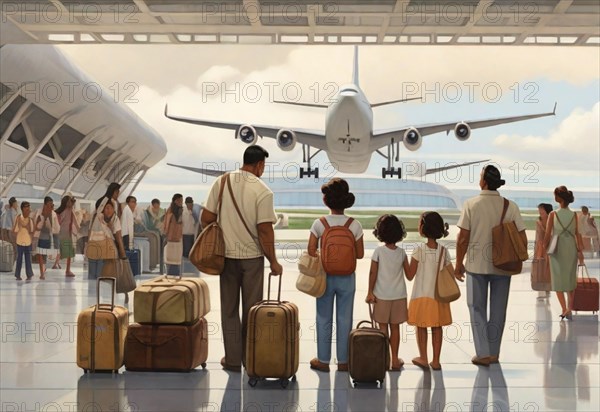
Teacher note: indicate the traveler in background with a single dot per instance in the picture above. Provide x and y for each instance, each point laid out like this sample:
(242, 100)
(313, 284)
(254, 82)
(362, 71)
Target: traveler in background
(68, 231)
(387, 289)
(46, 225)
(127, 222)
(174, 235)
(424, 310)
(479, 215)
(190, 226)
(23, 230)
(105, 225)
(245, 249)
(340, 288)
(8, 222)
(154, 217)
(588, 230)
(569, 249)
(539, 251)
(112, 192)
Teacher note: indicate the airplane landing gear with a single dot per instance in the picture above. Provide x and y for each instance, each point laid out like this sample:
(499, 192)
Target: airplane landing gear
(392, 155)
(306, 157)
(392, 171)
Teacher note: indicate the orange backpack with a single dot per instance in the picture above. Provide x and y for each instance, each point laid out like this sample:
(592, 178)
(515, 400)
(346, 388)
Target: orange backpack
(338, 249)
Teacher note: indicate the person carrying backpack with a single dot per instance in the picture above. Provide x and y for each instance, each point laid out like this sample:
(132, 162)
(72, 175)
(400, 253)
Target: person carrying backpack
(340, 246)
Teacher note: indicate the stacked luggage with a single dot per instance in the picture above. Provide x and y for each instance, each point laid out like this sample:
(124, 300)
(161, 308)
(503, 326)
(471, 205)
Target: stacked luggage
(101, 331)
(273, 340)
(170, 333)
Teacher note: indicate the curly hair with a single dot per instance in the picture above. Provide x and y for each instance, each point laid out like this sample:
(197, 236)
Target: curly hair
(565, 194)
(337, 195)
(389, 229)
(433, 226)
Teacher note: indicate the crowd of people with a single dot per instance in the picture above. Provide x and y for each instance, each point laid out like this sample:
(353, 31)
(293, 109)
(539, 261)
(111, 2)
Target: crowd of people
(246, 215)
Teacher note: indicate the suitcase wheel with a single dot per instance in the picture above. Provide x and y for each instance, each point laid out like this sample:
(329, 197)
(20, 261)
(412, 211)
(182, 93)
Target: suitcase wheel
(294, 378)
(284, 383)
(252, 382)
(203, 365)
(85, 370)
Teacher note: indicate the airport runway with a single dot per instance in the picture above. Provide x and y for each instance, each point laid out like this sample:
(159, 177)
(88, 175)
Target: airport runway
(545, 364)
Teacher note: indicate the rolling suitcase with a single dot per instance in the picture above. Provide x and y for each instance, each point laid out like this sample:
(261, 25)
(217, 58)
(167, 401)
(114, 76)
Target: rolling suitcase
(7, 256)
(586, 297)
(368, 353)
(175, 348)
(134, 261)
(168, 300)
(272, 341)
(101, 331)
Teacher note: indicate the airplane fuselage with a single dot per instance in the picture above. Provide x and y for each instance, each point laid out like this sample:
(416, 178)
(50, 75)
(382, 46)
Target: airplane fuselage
(348, 130)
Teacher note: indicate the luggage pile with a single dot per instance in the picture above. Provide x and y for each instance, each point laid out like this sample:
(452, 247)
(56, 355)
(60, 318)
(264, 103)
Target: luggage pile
(170, 332)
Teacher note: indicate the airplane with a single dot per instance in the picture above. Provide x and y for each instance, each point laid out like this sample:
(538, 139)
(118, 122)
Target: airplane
(349, 139)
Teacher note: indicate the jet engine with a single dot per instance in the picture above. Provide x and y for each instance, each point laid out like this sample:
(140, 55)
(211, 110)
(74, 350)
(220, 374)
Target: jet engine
(247, 134)
(462, 131)
(286, 140)
(412, 139)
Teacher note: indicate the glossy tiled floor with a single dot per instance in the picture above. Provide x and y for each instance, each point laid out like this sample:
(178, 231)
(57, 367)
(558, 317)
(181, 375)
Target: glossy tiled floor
(546, 364)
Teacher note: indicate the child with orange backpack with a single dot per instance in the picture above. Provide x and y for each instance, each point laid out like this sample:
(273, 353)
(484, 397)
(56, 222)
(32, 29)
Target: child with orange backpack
(341, 245)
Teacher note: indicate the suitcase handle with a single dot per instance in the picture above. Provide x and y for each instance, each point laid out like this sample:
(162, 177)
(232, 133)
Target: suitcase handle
(177, 277)
(370, 322)
(278, 290)
(584, 273)
(106, 306)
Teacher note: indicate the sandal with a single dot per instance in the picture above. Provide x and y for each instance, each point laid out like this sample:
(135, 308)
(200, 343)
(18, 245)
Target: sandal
(419, 362)
(70, 275)
(437, 367)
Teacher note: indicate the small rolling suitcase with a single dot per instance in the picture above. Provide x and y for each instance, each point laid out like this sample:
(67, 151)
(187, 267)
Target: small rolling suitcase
(586, 297)
(175, 348)
(169, 300)
(134, 261)
(101, 331)
(368, 353)
(272, 341)
(7, 256)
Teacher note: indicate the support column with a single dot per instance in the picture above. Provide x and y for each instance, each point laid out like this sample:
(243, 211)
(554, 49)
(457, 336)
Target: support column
(87, 164)
(21, 115)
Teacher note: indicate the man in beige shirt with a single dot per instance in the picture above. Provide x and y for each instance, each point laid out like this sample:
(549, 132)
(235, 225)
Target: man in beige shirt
(246, 247)
(479, 215)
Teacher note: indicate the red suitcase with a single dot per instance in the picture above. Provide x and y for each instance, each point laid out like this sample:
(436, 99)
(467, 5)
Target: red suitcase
(587, 294)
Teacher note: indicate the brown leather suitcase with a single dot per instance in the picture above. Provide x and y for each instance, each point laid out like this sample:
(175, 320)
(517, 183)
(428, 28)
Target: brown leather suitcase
(587, 293)
(176, 348)
(368, 353)
(272, 341)
(101, 331)
(169, 300)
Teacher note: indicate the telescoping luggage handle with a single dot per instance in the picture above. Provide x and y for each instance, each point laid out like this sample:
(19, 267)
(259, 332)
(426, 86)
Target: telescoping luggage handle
(370, 322)
(278, 289)
(584, 274)
(106, 306)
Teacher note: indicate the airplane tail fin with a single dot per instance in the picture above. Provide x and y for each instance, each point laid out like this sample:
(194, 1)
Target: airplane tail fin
(355, 69)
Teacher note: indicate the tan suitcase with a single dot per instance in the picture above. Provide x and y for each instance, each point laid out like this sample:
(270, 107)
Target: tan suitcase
(175, 348)
(171, 300)
(272, 341)
(101, 331)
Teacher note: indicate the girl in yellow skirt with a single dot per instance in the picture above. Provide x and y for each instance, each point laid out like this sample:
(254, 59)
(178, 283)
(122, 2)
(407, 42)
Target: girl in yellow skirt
(423, 310)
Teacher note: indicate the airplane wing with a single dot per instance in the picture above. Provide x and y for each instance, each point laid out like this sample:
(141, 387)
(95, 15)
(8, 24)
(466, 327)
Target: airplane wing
(382, 138)
(208, 172)
(313, 138)
(449, 167)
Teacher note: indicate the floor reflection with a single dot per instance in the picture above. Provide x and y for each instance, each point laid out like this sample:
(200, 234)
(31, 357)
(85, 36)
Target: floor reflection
(486, 377)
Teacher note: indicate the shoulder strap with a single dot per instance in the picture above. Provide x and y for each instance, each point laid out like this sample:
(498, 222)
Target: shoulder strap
(504, 209)
(441, 259)
(224, 179)
(324, 221)
(237, 209)
(349, 222)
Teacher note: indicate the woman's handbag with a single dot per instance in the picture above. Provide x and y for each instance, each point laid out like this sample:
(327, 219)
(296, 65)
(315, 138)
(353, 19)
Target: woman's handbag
(121, 270)
(540, 274)
(102, 248)
(446, 288)
(312, 279)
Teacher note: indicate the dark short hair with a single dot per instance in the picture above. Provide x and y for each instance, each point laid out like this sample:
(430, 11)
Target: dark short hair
(47, 200)
(389, 229)
(130, 198)
(189, 199)
(546, 206)
(255, 154)
(155, 201)
(585, 209)
(565, 194)
(24, 204)
(433, 226)
(12, 201)
(337, 194)
(491, 175)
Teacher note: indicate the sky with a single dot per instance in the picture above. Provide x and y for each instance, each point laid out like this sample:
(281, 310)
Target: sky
(238, 83)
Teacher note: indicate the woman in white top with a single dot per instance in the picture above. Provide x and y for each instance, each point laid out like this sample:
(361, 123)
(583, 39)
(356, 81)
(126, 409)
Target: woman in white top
(340, 287)
(387, 289)
(424, 310)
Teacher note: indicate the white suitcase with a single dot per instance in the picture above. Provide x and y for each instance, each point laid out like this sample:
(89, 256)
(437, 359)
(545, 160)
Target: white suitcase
(7, 256)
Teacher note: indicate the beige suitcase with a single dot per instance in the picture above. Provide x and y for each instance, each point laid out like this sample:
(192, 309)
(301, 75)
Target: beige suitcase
(101, 331)
(171, 300)
(273, 341)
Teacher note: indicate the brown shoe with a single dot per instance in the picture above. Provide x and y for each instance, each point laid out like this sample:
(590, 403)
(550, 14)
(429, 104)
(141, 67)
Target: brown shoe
(229, 367)
(342, 367)
(483, 361)
(316, 364)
